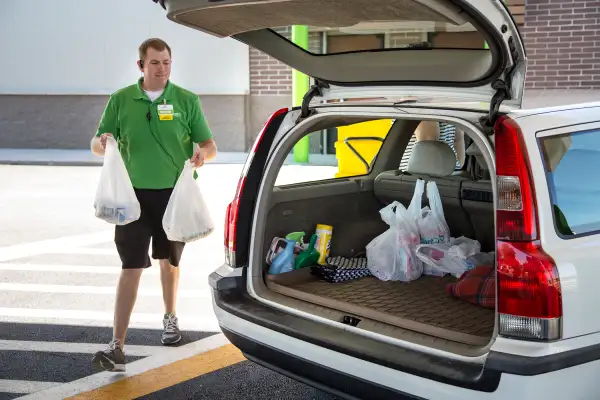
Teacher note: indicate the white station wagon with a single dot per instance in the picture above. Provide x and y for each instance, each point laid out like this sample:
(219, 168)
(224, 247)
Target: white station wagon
(525, 188)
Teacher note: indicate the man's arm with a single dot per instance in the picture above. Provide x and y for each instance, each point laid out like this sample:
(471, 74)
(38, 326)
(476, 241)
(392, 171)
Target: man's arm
(98, 144)
(459, 146)
(210, 149)
(205, 148)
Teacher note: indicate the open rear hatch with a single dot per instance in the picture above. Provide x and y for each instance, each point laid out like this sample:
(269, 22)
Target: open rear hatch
(489, 69)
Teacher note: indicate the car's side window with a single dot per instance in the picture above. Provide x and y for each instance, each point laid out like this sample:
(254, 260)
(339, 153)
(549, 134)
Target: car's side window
(339, 152)
(571, 162)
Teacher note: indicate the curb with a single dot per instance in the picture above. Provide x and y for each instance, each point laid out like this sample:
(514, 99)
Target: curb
(80, 163)
(52, 163)
(82, 158)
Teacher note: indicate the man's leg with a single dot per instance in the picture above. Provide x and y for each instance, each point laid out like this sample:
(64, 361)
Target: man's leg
(169, 279)
(127, 290)
(133, 242)
(169, 254)
(113, 357)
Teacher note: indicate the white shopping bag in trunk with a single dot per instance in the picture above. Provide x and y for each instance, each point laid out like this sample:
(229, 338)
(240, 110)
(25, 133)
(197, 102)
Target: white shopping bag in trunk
(434, 226)
(391, 256)
(449, 258)
(430, 220)
(187, 218)
(115, 201)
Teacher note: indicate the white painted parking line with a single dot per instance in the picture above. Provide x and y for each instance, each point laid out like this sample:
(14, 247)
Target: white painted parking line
(81, 289)
(92, 251)
(203, 321)
(92, 269)
(135, 368)
(73, 347)
(25, 387)
(29, 249)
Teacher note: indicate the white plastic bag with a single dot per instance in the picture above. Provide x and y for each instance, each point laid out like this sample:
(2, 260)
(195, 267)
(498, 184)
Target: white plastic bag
(187, 218)
(414, 208)
(391, 256)
(433, 227)
(431, 223)
(115, 201)
(448, 258)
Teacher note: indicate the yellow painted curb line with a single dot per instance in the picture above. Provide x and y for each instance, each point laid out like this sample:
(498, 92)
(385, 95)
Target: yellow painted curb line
(166, 376)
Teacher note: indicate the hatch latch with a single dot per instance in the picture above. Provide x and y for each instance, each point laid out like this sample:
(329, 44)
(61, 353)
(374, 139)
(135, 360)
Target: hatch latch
(502, 93)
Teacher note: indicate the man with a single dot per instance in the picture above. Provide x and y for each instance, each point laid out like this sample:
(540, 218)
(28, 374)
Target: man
(158, 126)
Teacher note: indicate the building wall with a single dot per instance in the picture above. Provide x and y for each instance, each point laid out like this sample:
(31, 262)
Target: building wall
(562, 39)
(70, 55)
(70, 121)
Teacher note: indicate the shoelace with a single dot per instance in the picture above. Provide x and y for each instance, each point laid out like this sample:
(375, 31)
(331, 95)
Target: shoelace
(171, 325)
(113, 345)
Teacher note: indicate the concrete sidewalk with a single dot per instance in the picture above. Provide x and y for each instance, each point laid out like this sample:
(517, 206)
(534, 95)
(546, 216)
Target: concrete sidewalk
(83, 157)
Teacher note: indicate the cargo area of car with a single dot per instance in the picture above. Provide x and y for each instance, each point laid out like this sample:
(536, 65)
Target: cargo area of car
(421, 305)
(421, 310)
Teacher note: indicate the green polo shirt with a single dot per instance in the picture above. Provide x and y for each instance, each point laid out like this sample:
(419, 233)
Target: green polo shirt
(155, 148)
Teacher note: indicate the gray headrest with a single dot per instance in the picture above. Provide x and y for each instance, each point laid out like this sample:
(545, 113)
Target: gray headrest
(431, 157)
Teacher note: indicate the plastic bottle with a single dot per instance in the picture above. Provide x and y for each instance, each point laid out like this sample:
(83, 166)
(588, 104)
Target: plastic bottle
(284, 261)
(297, 236)
(324, 232)
(308, 257)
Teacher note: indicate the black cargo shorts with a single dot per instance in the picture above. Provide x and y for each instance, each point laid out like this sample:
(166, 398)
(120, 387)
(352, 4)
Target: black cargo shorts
(133, 240)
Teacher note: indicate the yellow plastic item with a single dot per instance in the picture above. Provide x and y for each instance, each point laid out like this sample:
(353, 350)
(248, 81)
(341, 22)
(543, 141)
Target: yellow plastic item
(358, 136)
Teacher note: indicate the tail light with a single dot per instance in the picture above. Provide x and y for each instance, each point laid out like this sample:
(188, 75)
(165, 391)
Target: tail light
(529, 291)
(233, 209)
(231, 218)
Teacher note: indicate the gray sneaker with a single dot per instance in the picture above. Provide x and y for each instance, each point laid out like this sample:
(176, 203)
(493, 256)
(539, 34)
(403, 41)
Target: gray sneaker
(171, 334)
(111, 359)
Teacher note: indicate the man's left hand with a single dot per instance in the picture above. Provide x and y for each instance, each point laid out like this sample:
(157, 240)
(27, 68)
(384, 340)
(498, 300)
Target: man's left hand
(198, 158)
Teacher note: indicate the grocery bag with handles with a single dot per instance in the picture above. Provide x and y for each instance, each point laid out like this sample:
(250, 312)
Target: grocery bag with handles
(115, 201)
(186, 218)
(431, 222)
(391, 256)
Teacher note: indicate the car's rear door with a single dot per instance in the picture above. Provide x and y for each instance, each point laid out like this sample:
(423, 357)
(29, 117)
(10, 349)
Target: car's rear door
(414, 60)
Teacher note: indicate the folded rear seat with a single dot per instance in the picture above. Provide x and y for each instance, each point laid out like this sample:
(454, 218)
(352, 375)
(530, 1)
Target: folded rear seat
(430, 161)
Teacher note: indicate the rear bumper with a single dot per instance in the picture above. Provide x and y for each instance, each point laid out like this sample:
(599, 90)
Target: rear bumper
(267, 335)
(310, 373)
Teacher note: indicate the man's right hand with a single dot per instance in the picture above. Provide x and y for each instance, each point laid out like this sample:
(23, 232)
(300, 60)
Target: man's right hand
(103, 139)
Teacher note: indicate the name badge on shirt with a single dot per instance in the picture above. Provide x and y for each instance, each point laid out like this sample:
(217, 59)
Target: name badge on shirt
(165, 112)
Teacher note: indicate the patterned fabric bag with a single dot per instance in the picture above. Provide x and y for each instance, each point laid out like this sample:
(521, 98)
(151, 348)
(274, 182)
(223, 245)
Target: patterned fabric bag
(342, 269)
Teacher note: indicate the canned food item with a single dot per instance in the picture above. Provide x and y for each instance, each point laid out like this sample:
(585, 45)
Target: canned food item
(323, 244)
